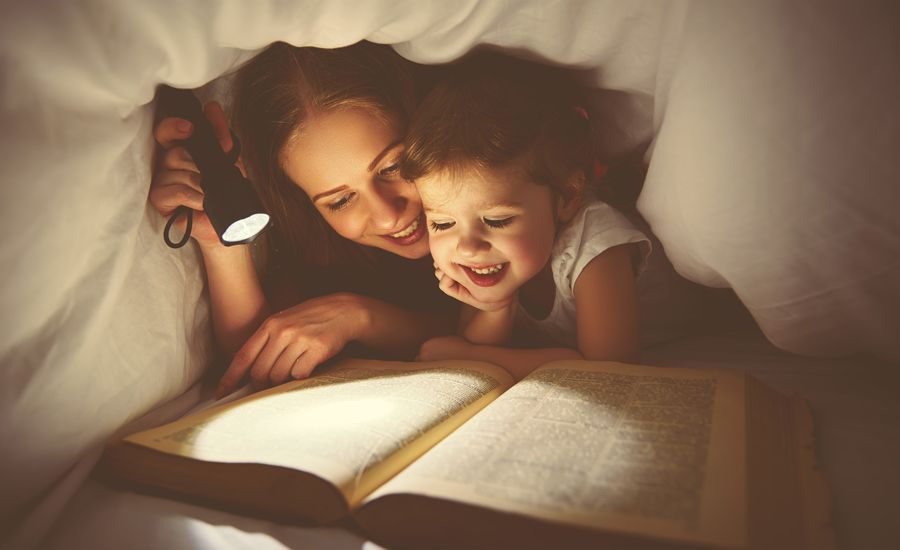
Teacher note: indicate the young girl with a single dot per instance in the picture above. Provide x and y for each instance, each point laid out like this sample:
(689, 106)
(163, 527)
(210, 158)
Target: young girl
(501, 154)
(322, 132)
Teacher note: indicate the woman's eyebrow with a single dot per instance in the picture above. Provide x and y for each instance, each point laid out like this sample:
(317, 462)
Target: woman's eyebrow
(381, 155)
(329, 192)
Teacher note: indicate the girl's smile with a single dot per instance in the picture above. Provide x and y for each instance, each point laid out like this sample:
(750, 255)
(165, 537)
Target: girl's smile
(485, 275)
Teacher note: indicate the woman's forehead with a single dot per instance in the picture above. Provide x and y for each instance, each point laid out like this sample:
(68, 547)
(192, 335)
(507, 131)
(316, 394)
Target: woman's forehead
(336, 147)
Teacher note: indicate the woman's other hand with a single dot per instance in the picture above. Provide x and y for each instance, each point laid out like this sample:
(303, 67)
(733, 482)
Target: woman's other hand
(290, 344)
(176, 179)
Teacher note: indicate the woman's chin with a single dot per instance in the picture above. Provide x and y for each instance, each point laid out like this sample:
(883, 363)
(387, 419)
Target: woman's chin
(414, 251)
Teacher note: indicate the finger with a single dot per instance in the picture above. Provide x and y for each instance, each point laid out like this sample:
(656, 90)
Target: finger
(306, 363)
(177, 158)
(171, 130)
(219, 123)
(449, 286)
(241, 363)
(262, 366)
(438, 273)
(166, 197)
(281, 371)
(188, 178)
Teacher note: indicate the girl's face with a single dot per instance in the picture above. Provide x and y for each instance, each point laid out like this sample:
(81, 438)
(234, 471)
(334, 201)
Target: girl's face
(346, 162)
(491, 230)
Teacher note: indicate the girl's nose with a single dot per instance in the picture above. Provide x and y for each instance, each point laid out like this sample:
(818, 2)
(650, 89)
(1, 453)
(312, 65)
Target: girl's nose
(471, 245)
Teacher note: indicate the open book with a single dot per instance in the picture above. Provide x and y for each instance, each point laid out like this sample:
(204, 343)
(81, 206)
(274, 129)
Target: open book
(456, 453)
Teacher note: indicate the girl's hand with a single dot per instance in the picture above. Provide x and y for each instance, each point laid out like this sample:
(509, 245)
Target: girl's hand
(293, 342)
(176, 180)
(456, 290)
(445, 347)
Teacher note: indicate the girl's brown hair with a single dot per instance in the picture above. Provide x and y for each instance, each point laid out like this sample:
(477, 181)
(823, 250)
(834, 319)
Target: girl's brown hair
(490, 110)
(273, 95)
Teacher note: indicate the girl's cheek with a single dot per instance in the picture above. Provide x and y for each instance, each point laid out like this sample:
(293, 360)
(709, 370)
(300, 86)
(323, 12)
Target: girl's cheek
(440, 251)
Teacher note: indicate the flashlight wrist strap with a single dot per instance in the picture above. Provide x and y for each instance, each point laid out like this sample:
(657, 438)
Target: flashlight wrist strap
(189, 215)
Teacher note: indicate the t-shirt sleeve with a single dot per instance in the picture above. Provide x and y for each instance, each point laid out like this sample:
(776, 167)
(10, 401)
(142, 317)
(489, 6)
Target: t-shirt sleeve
(595, 229)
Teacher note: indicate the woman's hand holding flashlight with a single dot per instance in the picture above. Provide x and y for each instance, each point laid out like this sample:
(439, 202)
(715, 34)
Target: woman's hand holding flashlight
(176, 179)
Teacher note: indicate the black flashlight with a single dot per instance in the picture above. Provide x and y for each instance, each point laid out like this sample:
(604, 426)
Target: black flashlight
(228, 198)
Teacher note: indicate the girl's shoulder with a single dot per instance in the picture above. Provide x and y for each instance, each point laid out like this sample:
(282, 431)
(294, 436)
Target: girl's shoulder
(597, 221)
(596, 228)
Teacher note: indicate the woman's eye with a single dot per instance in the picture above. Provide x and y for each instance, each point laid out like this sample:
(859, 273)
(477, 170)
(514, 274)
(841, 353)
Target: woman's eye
(497, 224)
(390, 171)
(440, 226)
(341, 203)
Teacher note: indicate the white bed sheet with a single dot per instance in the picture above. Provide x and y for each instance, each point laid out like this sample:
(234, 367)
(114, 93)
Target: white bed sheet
(101, 323)
(857, 431)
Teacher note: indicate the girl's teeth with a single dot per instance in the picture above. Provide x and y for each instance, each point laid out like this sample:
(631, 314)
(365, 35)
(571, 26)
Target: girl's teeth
(408, 231)
(488, 270)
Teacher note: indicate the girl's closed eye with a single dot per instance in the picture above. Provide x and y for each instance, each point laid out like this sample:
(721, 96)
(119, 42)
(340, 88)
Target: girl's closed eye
(498, 223)
(341, 203)
(440, 226)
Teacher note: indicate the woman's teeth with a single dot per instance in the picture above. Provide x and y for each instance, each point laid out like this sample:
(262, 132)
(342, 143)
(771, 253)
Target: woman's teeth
(487, 270)
(410, 229)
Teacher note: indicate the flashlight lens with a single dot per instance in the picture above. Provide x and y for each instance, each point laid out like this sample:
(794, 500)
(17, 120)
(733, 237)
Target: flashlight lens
(246, 229)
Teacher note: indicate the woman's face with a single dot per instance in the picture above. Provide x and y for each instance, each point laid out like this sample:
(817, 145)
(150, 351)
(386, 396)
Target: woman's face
(347, 163)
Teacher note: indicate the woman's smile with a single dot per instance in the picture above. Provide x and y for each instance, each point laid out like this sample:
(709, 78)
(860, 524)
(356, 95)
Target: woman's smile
(410, 234)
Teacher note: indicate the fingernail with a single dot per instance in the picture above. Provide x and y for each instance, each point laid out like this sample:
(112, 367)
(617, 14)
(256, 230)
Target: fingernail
(184, 126)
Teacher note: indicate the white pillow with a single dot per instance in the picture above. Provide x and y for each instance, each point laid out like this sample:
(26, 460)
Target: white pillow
(776, 167)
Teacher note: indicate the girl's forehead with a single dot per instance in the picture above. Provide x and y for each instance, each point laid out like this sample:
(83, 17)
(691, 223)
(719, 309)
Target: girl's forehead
(477, 187)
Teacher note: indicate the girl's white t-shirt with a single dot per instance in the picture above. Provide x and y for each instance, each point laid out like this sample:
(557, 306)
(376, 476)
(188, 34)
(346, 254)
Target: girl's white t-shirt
(595, 228)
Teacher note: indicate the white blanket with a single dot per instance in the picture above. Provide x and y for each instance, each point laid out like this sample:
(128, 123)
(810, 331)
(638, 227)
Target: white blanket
(773, 171)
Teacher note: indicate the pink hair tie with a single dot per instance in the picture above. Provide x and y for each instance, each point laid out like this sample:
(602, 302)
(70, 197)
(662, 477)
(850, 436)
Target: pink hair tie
(582, 112)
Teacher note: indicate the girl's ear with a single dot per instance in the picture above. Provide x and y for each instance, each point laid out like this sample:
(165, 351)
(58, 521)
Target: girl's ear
(568, 201)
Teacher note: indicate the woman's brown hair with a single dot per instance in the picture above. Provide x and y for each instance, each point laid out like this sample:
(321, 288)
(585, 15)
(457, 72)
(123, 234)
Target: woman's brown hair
(273, 95)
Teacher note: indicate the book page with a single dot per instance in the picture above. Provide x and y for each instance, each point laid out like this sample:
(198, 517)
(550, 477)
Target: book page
(355, 424)
(654, 451)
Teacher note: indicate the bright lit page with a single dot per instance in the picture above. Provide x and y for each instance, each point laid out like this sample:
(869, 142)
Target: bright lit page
(355, 424)
(611, 446)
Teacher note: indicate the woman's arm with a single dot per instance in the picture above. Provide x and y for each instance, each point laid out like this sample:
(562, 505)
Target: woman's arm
(236, 297)
(237, 301)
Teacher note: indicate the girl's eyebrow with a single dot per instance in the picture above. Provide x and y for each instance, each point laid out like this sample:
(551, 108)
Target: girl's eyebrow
(499, 205)
(381, 155)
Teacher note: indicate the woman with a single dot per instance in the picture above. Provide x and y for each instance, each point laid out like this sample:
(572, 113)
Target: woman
(322, 132)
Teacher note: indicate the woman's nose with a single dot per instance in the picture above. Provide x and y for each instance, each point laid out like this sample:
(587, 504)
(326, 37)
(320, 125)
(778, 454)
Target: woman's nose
(386, 209)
